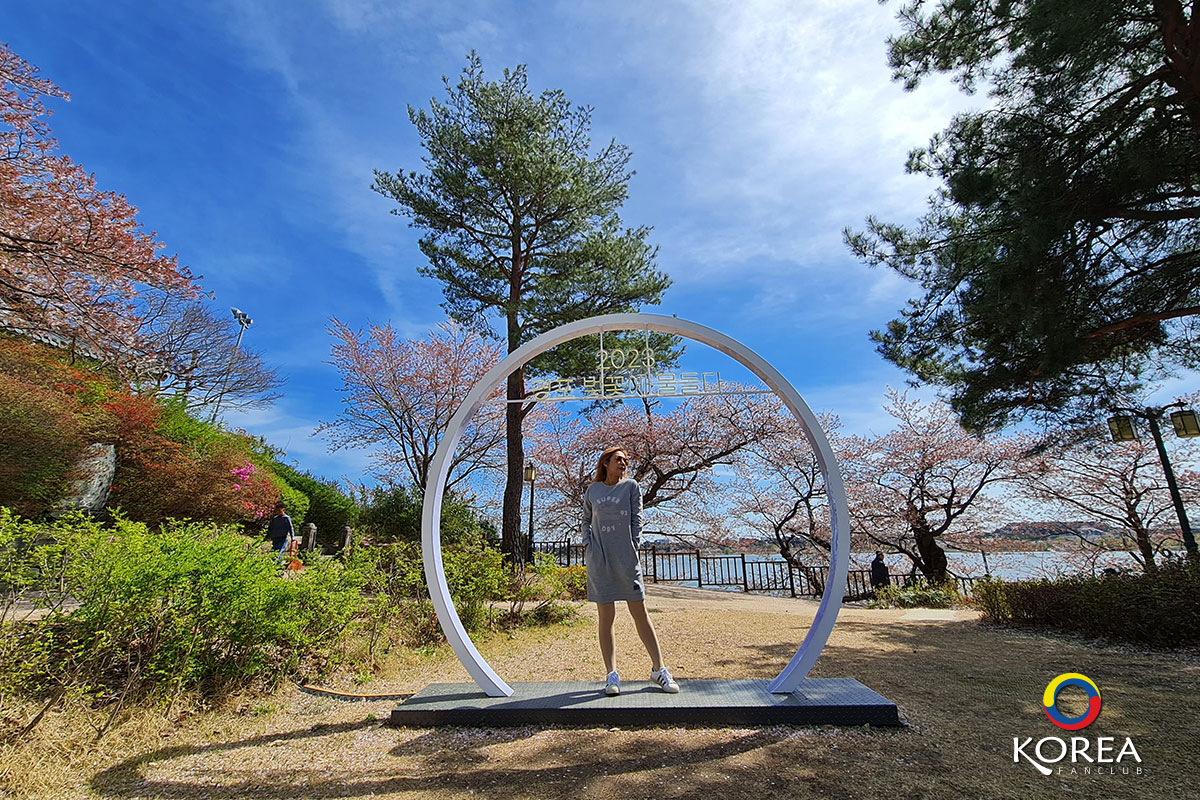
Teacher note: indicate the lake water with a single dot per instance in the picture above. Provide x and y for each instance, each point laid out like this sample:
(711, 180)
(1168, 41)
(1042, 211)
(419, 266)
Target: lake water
(1005, 566)
(1013, 566)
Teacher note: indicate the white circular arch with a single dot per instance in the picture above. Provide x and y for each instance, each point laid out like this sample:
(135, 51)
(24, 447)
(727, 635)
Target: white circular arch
(431, 519)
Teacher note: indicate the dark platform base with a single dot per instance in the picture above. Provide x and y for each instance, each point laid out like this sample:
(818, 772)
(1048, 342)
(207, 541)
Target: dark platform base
(818, 701)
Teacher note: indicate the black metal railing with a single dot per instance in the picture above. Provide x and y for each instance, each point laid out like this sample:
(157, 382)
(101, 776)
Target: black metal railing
(736, 570)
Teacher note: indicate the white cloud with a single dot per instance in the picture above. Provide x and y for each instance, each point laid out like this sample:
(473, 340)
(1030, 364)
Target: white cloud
(363, 15)
(786, 127)
(472, 36)
(779, 127)
(889, 288)
(330, 163)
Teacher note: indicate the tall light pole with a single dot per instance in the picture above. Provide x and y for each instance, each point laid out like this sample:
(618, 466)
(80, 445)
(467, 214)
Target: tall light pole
(1185, 424)
(244, 321)
(530, 475)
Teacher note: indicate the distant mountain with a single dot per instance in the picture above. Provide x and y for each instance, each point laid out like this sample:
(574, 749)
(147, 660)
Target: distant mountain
(1042, 530)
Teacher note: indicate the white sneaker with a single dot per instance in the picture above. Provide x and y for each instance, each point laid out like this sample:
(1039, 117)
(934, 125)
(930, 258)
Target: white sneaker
(663, 678)
(612, 684)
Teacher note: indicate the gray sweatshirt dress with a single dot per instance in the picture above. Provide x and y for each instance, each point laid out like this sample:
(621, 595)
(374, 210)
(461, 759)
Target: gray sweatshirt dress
(612, 531)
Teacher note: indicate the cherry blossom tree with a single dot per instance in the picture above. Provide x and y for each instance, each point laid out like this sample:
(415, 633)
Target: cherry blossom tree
(72, 257)
(927, 482)
(399, 396)
(778, 490)
(1121, 483)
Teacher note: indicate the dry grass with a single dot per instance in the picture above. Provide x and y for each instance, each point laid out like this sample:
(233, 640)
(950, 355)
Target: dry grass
(964, 689)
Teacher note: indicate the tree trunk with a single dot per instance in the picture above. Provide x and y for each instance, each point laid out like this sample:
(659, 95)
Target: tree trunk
(933, 557)
(511, 537)
(1147, 550)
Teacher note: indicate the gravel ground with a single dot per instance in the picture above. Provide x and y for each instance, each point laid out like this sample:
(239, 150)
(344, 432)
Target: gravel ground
(964, 689)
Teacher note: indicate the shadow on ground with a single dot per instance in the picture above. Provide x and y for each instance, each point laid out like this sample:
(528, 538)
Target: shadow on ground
(966, 689)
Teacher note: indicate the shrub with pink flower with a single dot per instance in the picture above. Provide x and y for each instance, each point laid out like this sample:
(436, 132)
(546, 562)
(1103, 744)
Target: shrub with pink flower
(242, 475)
(257, 488)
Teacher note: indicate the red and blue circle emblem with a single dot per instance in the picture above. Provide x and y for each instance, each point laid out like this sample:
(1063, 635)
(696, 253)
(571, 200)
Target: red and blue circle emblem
(1050, 698)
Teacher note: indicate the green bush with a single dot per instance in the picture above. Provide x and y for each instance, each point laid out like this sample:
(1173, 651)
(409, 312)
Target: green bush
(479, 578)
(546, 584)
(175, 423)
(189, 606)
(1159, 608)
(398, 606)
(990, 596)
(575, 580)
(28, 562)
(393, 572)
(475, 577)
(393, 514)
(918, 594)
(393, 585)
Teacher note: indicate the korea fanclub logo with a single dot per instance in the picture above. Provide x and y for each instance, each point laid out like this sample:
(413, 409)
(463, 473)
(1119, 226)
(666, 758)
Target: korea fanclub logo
(1076, 755)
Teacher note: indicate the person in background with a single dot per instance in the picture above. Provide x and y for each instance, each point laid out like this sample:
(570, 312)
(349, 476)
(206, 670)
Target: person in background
(879, 572)
(612, 531)
(280, 531)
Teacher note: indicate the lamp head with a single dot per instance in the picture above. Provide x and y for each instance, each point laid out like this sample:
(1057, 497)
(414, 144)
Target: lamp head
(1121, 428)
(1185, 423)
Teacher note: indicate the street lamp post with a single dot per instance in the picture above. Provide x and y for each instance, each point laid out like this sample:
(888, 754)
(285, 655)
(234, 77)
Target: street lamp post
(1185, 424)
(530, 475)
(244, 321)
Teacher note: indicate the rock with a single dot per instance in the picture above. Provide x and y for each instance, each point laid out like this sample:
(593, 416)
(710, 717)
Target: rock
(89, 493)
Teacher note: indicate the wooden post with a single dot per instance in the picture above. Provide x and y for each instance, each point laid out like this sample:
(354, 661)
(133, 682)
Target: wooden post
(699, 572)
(654, 563)
(791, 577)
(745, 576)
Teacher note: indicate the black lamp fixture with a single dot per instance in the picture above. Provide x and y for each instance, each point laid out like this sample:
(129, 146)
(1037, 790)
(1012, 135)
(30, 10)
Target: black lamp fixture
(243, 320)
(1121, 427)
(1185, 423)
(530, 476)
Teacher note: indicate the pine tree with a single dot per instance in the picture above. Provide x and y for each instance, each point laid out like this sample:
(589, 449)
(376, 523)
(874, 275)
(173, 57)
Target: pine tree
(1059, 264)
(521, 227)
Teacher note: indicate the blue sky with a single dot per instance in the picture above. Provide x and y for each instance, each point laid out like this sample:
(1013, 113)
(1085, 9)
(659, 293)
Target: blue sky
(246, 134)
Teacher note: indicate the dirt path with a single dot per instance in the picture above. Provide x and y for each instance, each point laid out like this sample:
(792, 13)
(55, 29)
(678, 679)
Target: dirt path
(966, 690)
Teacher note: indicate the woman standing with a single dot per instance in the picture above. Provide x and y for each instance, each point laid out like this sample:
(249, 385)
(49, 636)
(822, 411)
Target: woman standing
(612, 531)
